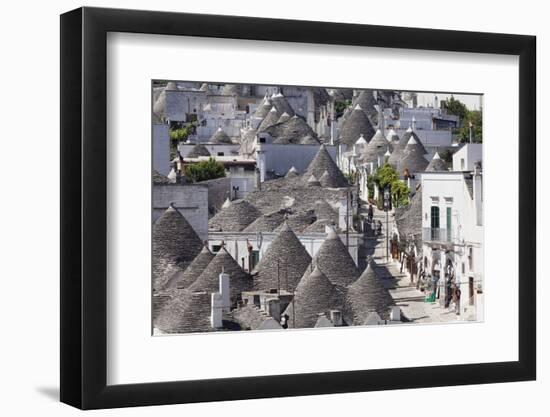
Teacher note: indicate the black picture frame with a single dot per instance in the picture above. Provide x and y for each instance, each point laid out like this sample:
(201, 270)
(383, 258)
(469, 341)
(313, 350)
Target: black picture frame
(84, 207)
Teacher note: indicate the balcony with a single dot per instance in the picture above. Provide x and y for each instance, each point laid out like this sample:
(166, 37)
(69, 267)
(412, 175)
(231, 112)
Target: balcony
(430, 234)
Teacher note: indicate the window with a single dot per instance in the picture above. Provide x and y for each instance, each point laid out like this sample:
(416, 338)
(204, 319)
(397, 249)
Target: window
(434, 222)
(449, 222)
(471, 258)
(216, 248)
(220, 153)
(462, 165)
(254, 259)
(262, 140)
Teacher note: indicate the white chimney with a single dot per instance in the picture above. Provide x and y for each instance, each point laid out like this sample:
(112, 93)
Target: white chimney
(343, 212)
(336, 317)
(395, 313)
(274, 309)
(224, 292)
(216, 311)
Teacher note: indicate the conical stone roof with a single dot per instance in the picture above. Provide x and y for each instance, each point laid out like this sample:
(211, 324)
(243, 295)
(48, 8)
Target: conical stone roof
(268, 222)
(437, 164)
(314, 294)
(282, 105)
(209, 280)
(312, 181)
(355, 125)
(367, 294)
(366, 101)
(271, 119)
(299, 221)
(377, 146)
(220, 136)
(284, 118)
(175, 243)
(283, 264)
(328, 181)
(293, 129)
(185, 312)
(324, 162)
(412, 158)
(335, 261)
(198, 150)
(407, 137)
(234, 217)
(292, 172)
(324, 210)
(263, 109)
(192, 272)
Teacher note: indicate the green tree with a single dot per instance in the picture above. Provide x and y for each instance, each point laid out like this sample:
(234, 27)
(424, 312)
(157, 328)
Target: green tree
(204, 170)
(473, 117)
(386, 176)
(341, 106)
(455, 107)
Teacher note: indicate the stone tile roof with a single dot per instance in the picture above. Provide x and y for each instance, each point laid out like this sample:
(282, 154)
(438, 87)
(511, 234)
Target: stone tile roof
(234, 217)
(250, 317)
(160, 179)
(195, 268)
(323, 162)
(285, 117)
(175, 243)
(309, 140)
(292, 172)
(376, 147)
(437, 164)
(328, 181)
(312, 181)
(282, 105)
(198, 150)
(290, 193)
(271, 119)
(299, 220)
(324, 210)
(319, 226)
(412, 158)
(314, 294)
(367, 294)
(263, 109)
(283, 263)
(208, 280)
(407, 137)
(292, 130)
(365, 99)
(267, 222)
(185, 312)
(334, 260)
(220, 136)
(355, 125)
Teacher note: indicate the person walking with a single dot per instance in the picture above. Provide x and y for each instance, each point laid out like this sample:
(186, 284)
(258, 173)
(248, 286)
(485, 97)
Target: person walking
(456, 299)
(370, 213)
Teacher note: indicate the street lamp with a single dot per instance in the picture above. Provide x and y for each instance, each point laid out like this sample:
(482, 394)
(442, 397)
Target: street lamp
(386, 209)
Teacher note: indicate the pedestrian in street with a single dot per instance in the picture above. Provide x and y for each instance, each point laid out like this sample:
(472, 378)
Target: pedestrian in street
(456, 299)
(370, 213)
(379, 228)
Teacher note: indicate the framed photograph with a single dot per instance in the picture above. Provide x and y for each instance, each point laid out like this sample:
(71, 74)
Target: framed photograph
(261, 208)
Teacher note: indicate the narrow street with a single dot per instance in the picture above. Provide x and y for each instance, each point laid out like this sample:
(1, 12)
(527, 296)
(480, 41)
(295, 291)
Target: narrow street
(404, 293)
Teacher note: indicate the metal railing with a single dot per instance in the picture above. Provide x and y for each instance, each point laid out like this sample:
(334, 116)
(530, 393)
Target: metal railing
(430, 234)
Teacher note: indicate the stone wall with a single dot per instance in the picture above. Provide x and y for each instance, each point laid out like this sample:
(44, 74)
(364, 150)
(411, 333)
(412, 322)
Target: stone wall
(161, 148)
